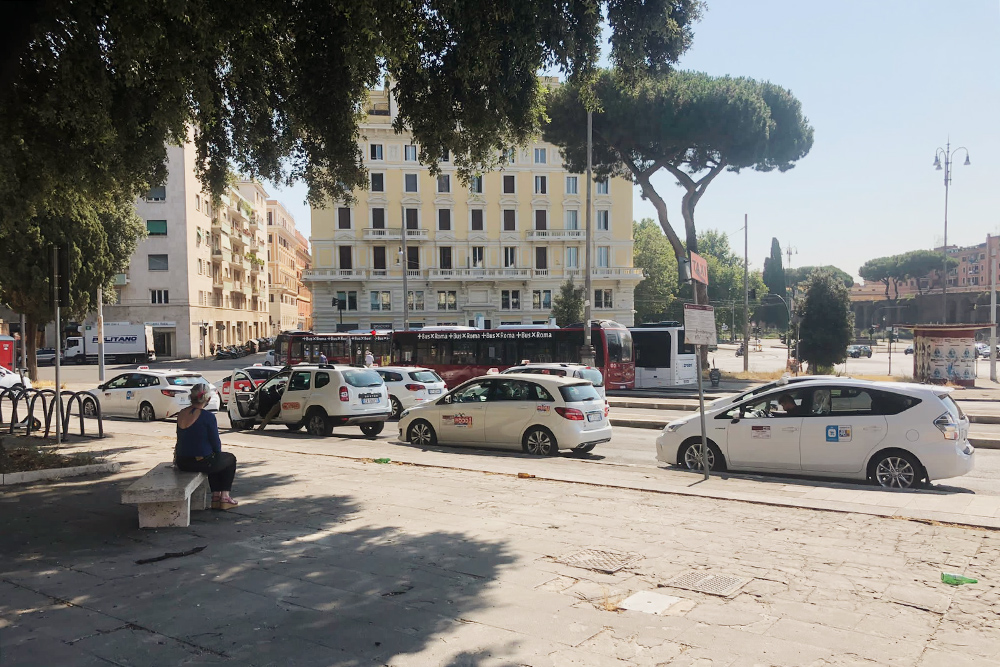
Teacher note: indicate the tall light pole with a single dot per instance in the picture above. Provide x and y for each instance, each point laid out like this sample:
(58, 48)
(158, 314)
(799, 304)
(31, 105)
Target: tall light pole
(405, 260)
(948, 155)
(746, 296)
(587, 352)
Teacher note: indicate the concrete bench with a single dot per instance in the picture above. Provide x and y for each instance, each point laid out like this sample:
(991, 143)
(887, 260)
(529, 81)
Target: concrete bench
(166, 496)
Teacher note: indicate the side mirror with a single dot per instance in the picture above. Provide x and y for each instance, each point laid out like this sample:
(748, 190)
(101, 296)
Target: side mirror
(736, 420)
(447, 399)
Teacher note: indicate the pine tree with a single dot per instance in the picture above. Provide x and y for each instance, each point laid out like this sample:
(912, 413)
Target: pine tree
(774, 277)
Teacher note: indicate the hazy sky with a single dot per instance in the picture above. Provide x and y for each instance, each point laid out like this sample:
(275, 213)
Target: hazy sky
(884, 84)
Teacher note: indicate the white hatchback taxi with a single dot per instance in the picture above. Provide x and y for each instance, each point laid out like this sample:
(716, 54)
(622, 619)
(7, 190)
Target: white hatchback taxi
(146, 394)
(540, 414)
(896, 435)
(409, 386)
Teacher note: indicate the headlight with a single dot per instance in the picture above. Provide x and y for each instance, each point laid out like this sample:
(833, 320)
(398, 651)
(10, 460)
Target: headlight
(673, 426)
(404, 413)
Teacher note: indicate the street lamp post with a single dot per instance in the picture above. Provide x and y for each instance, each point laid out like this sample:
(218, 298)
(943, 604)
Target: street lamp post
(948, 155)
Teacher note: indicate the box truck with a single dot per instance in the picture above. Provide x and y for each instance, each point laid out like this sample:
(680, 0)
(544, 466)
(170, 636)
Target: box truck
(123, 344)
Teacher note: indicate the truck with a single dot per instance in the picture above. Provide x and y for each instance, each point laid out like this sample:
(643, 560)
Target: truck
(123, 344)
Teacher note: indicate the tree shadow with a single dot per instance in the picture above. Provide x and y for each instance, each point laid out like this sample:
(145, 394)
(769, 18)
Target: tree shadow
(305, 579)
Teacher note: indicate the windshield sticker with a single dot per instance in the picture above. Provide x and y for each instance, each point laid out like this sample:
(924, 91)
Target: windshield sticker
(541, 408)
(838, 433)
(761, 432)
(459, 420)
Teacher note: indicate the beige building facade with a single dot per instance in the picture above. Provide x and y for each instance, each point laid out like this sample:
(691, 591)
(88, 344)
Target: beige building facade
(489, 253)
(283, 275)
(303, 263)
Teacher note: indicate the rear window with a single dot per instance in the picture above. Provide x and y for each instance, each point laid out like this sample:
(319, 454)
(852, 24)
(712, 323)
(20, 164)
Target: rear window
(952, 406)
(186, 380)
(389, 376)
(593, 375)
(575, 393)
(425, 376)
(362, 378)
(261, 373)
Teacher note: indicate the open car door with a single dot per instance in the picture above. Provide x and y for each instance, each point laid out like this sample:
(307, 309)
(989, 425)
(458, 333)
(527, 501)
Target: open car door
(242, 407)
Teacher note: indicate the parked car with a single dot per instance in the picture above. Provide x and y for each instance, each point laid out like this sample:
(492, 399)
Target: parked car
(983, 350)
(258, 374)
(579, 371)
(540, 414)
(908, 350)
(147, 394)
(781, 382)
(45, 355)
(316, 397)
(856, 351)
(896, 435)
(10, 380)
(409, 386)
(269, 358)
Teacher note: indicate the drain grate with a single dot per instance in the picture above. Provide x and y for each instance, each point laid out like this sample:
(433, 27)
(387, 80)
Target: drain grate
(601, 560)
(713, 584)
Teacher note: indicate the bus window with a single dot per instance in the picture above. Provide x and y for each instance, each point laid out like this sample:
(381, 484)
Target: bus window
(281, 349)
(614, 346)
(463, 352)
(538, 351)
(432, 352)
(682, 347)
(626, 346)
(652, 349)
(296, 346)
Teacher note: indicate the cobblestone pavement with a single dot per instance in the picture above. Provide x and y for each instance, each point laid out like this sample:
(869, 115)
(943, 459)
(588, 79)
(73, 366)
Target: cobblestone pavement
(329, 561)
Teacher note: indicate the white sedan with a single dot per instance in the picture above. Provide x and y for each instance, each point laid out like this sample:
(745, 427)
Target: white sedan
(894, 434)
(9, 380)
(409, 386)
(537, 413)
(147, 394)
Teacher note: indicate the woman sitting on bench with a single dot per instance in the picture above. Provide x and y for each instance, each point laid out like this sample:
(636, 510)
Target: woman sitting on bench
(199, 448)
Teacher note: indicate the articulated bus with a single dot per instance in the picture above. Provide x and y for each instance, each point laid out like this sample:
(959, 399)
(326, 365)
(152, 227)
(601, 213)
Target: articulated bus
(303, 347)
(458, 355)
(662, 357)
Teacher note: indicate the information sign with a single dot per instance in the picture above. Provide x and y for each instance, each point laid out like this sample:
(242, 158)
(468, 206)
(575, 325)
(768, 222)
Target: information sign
(699, 325)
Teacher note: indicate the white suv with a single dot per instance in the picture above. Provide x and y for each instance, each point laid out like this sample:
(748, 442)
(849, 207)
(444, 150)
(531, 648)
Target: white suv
(580, 371)
(318, 397)
(409, 386)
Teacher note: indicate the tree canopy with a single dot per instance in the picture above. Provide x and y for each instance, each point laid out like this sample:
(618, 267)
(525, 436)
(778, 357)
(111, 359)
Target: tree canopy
(658, 290)
(774, 278)
(827, 326)
(798, 275)
(567, 305)
(893, 269)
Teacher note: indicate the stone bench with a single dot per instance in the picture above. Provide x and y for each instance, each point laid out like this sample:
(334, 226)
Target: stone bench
(166, 496)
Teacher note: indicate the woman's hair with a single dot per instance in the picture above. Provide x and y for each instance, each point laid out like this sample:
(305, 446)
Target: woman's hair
(200, 394)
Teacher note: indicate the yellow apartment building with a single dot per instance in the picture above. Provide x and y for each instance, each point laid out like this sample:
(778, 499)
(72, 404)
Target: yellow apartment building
(282, 272)
(303, 262)
(489, 253)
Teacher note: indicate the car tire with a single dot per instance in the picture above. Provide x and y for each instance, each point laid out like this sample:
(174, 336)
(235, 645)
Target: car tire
(421, 434)
(896, 469)
(146, 413)
(689, 456)
(539, 441)
(397, 407)
(318, 424)
(371, 429)
(584, 449)
(89, 407)
(294, 427)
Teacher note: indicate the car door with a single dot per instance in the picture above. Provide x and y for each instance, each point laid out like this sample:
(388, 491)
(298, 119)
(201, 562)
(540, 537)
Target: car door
(295, 400)
(844, 425)
(113, 395)
(462, 414)
(132, 396)
(241, 404)
(764, 436)
(508, 411)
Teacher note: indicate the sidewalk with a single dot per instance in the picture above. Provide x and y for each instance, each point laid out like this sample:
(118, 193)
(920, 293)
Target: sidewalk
(330, 561)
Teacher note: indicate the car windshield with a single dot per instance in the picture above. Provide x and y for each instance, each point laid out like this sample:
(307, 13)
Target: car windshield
(186, 380)
(576, 393)
(425, 376)
(261, 373)
(362, 378)
(593, 375)
(952, 406)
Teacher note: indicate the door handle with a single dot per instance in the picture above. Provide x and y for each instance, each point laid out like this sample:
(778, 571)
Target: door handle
(789, 429)
(873, 428)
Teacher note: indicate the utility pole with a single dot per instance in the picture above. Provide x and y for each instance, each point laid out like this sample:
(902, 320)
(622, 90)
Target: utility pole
(993, 309)
(587, 351)
(746, 295)
(406, 266)
(100, 334)
(24, 349)
(58, 347)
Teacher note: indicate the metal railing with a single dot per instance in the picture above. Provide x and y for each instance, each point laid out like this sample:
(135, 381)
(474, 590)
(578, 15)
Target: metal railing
(87, 406)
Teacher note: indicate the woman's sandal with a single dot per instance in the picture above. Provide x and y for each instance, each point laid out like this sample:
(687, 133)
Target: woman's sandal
(227, 505)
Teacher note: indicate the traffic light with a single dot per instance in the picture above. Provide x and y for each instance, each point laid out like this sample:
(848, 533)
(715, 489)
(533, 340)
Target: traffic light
(339, 304)
(871, 330)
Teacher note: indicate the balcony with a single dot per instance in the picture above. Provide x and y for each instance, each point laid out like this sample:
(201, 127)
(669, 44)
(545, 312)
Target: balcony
(217, 282)
(333, 274)
(477, 274)
(557, 235)
(540, 273)
(606, 272)
(379, 109)
(394, 234)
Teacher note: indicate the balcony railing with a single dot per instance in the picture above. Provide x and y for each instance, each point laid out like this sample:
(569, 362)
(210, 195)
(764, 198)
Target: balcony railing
(556, 234)
(370, 233)
(540, 273)
(606, 272)
(379, 109)
(330, 274)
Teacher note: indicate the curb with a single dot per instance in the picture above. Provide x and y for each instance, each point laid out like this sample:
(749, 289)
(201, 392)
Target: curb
(55, 473)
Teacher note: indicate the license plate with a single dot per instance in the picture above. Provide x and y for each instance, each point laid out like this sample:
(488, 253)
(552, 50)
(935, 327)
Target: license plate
(594, 416)
(375, 399)
(433, 391)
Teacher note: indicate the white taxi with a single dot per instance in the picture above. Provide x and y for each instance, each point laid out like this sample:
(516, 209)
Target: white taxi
(409, 386)
(540, 414)
(146, 394)
(257, 373)
(11, 380)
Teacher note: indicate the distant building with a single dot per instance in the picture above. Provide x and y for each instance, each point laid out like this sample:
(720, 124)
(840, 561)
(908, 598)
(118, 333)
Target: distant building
(283, 274)
(303, 263)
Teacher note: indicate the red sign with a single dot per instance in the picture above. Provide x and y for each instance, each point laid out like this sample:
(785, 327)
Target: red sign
(699, 268)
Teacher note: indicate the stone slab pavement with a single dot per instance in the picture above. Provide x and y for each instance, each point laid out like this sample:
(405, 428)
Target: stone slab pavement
(331, 560)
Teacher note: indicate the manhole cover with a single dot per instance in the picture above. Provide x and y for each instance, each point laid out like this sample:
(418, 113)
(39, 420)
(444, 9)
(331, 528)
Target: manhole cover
(600, 559)
(713, 584)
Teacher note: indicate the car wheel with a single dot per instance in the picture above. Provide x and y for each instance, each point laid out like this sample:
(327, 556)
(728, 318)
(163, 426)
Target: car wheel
(267, 363)
(318, 424)
(896, 469)
(421, 434)
(397, 407)
(371, 429)
(540, 442)
(294, 427)
(89, 407)
(690, 456)
(146, 412)
(584, 449)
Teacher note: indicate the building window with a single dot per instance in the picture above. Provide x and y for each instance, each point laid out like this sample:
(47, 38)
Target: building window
(572, 258)
(541, 219)
(603, 256)
(603, 220)
(478, 252)
(447, 300)
(444, 183)
(159, 296)
(444, 219)
(541, 185)
(156, 227)
(602, 187)
(376, 151)
(572, 185)
(540, 156)
(444, 257)
(509, 257)
(510, 299)
(508, 184)
(445, 156)
(511, 156)
(476, 185)
(509, 220)
(343, 218)
(409, 182)
(159, 193)
(415, 299)
(412, 258)
(158, 263)
(542, 258)
(381, 300)
(378, 182)
(346, 261)
(349, 299)
(602, 298)
(573, 219)
(541, 299)
(412, 218)
(201, 267)
(410, 153)
(378, 218)
(378, 258)
(477, 219)
(197, 202)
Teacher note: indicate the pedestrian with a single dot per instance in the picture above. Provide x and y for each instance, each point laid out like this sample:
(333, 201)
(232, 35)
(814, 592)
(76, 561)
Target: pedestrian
(369, 359)
(199, 448)
(322, 358)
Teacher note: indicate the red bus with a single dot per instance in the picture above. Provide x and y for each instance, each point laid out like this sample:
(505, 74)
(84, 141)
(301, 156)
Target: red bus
(303, 347)
(458, 355)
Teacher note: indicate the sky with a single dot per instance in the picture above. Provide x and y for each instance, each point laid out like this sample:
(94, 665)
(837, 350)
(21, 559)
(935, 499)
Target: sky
(884, 84)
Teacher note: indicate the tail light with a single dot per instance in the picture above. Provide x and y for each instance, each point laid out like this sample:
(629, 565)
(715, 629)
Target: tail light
(571, 414)
(344, 394)
(947, 426)
(607, 410)
(172, 392)
(415, 387)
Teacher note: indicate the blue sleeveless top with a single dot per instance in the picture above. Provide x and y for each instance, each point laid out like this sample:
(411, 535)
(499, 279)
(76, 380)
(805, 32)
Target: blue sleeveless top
(200, 438)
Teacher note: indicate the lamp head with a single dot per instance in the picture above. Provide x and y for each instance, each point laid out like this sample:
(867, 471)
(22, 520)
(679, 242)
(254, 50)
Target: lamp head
(937, 162)
(967, 163)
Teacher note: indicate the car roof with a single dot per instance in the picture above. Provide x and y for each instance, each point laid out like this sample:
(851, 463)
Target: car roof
(549, 364)
(403, 369)
(901, 387)
(534, 377)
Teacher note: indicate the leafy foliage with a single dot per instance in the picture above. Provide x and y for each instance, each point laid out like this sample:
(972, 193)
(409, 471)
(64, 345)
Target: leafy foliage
(827, 325)
(892, 270)
(795, 276)
(658, 290)
(567, 305)
(774, 277)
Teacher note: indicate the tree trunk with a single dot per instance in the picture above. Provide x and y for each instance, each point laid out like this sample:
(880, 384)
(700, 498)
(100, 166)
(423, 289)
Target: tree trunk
(661, 214)
(30, 335)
